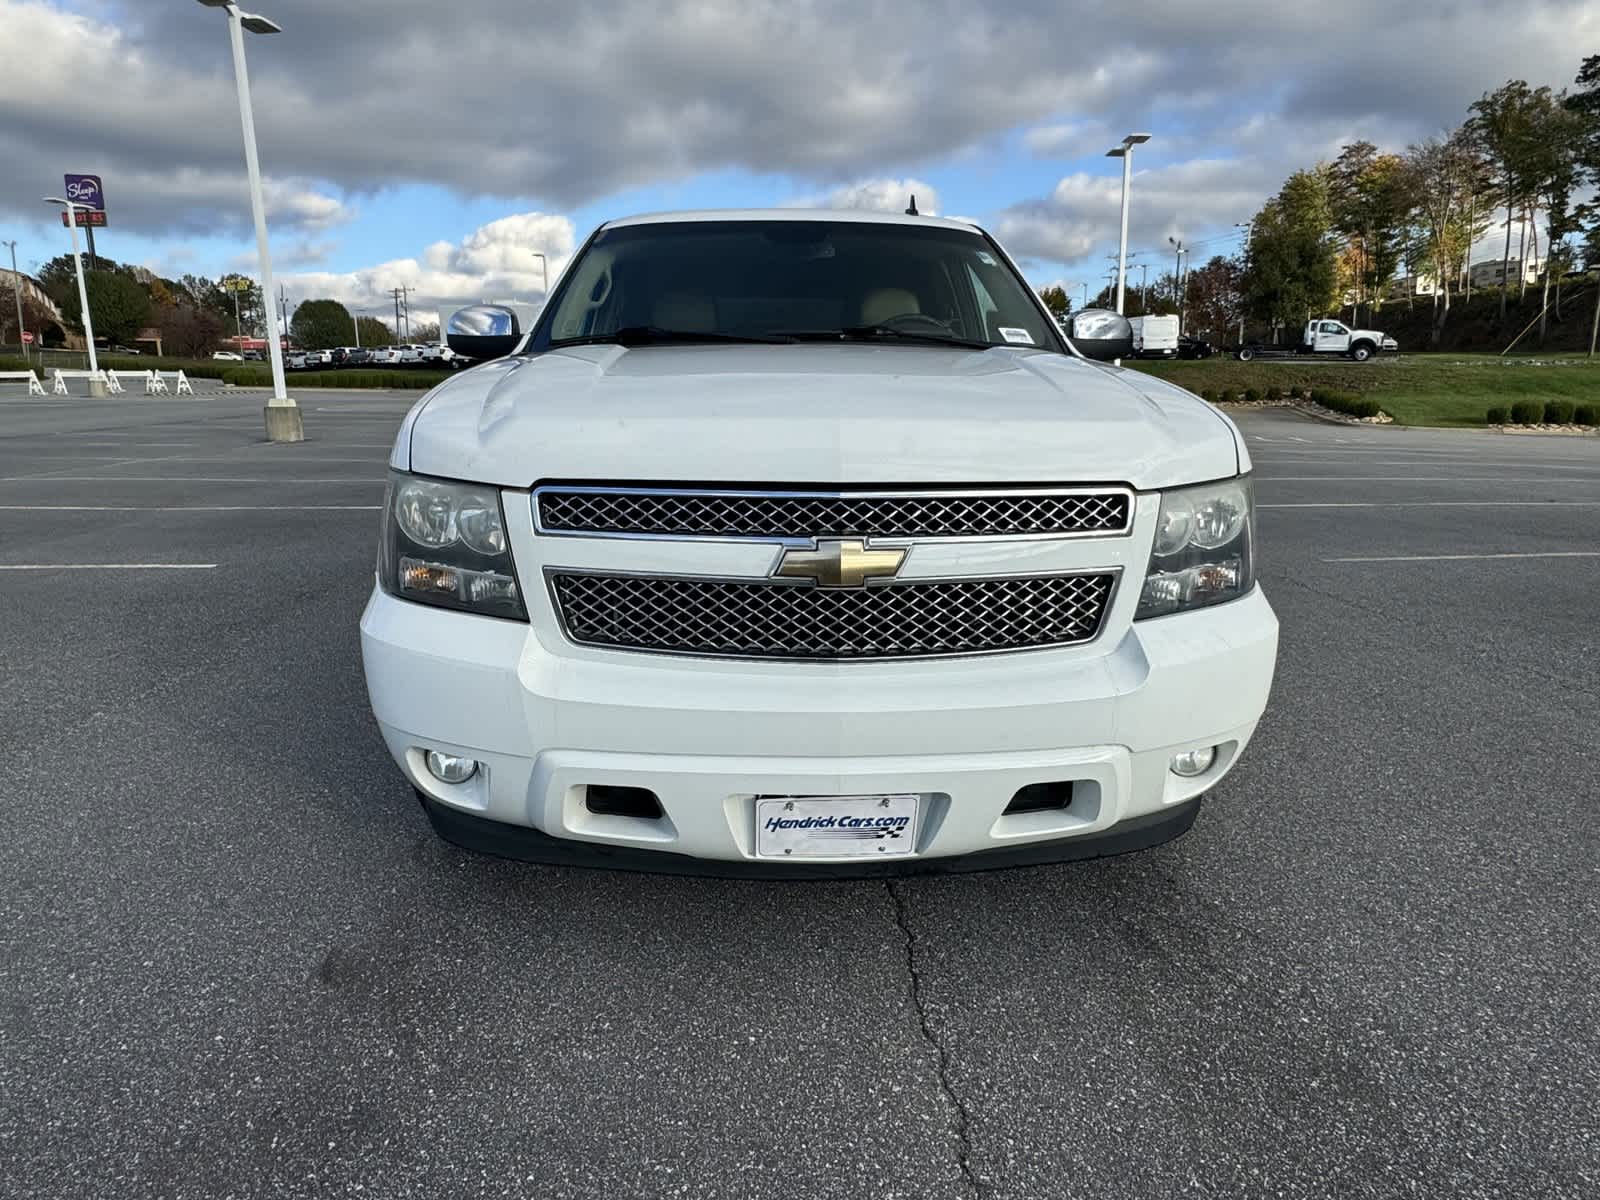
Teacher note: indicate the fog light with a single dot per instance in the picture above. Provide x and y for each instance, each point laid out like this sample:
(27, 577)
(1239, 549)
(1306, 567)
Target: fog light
(451, 768)
(1194, 762)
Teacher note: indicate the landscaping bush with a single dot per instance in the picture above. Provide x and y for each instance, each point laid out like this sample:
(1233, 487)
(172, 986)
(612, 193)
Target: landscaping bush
(1587, 414)
(1559, 412)
(1275, 394)
(1352, 404)
(1497, 415)
(257, 377)
(1251, 396)
(1205, 394)
(1527, 412)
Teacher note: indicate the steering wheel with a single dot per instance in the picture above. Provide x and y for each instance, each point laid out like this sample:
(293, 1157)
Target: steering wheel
(914, 318)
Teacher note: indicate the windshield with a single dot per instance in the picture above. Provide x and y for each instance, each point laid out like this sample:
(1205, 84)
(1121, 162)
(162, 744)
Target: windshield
(794, 280)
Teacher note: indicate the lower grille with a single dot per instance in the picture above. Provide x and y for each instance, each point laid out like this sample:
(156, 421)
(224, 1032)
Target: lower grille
(761, 619)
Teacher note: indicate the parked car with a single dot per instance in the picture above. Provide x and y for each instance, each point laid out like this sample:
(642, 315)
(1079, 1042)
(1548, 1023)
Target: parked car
(1193, 347)
(942, 593)
(409, 355)
(254, 356)
(122, 349)
(1155, 336)
(357, 356)
(295, 360)
(226, 356)
(384, 356)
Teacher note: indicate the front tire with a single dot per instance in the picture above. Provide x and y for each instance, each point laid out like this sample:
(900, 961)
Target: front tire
(1361, 351)
(1245, 354)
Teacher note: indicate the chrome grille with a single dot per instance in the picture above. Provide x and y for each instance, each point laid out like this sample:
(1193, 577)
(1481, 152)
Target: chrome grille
(760, 619)
(716, 513)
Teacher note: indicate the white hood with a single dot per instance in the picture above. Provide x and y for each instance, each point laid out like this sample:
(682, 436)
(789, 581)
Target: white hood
(814, 414)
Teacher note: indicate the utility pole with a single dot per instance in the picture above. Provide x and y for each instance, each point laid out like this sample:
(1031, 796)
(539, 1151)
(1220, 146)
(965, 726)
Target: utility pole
(16, 290)
(1177, 280)
(1144, 286)
(402, 302)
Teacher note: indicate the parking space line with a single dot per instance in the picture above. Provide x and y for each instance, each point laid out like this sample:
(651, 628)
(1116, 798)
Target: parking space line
(190, 507)
(1439, 504)
(1399, 558)
(373, 480)
(108, 566)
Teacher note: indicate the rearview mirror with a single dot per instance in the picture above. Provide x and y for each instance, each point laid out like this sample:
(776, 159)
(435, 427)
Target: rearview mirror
(1101, 334)
(483, 331)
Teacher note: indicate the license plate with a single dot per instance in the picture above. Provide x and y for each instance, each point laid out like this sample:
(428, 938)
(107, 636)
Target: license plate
(836, 826)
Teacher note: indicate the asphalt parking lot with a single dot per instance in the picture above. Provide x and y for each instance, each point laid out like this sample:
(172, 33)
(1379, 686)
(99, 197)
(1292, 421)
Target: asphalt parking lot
(234, 961)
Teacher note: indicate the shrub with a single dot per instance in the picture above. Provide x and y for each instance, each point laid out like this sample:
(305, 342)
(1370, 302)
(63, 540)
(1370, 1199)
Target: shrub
(1587, 414)
(1497, 415)
(1527, 412)
(1559, 412)
(1349, 403)
(1274, 393)
(1251, 396)
(1205, 394)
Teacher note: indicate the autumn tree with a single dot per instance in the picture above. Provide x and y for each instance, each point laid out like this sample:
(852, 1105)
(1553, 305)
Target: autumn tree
(1055, 299)
(1443, 177)
(1215, 297)
(1369, 205)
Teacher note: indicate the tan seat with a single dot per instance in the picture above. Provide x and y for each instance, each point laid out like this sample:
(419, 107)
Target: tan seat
(880, 305)
(685, 311)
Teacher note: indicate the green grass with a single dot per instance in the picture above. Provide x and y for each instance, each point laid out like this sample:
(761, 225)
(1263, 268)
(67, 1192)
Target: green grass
(1416, 389)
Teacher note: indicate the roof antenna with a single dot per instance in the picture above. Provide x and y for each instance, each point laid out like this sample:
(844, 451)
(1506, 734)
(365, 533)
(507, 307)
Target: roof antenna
(912, 211)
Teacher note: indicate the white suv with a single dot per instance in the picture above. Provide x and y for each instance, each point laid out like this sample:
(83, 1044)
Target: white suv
(804, 543)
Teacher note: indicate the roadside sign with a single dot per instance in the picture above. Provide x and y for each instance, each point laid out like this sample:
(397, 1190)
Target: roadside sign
(86, 189)
(87, 218)
(27, 338)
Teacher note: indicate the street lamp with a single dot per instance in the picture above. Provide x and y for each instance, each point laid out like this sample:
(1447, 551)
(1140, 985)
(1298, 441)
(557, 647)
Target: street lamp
(544, 276)
(1125, 153)
(282, 414)
(1177, 279)
(97, 386)
(16, 290)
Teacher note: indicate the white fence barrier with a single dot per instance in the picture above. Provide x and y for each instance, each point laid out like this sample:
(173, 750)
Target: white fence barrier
(60, 388)
(35, 388)
(154, 384)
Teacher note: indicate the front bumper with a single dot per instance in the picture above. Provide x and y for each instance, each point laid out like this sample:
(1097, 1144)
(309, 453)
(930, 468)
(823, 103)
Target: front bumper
(709, 736)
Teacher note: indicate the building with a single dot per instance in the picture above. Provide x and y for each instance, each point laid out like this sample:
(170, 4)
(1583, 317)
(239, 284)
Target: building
(1492, 272)
(53, 331)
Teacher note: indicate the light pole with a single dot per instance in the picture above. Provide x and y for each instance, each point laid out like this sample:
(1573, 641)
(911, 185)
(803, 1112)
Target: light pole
(1249, 228)
(1125, 153)
(16, 290)
(97, 386)
(282, 414)
(544, 276)
(1177, 280)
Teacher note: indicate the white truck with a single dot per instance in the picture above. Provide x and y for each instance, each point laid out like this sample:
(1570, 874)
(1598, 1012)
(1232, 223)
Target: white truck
(1325, 337)
(1155, 336)
(799, 543)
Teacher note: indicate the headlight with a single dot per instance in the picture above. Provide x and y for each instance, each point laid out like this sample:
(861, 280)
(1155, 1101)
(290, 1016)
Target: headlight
(445, 544)
(1203, 551)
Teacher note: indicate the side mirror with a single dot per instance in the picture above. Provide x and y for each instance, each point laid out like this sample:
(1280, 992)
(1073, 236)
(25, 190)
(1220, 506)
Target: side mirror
(1101, 334)
(483, 331)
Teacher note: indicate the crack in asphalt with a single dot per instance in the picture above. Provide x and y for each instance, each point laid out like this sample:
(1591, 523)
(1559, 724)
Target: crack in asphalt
(963, 1119)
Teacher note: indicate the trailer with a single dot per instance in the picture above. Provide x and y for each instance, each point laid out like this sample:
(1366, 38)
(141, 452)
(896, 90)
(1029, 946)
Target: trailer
(1322, 338)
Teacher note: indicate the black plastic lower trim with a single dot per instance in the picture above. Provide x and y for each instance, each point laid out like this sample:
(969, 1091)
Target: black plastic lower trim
(531, 845)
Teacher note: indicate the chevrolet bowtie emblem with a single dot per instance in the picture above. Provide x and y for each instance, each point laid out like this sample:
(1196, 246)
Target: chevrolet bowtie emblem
(840, 564)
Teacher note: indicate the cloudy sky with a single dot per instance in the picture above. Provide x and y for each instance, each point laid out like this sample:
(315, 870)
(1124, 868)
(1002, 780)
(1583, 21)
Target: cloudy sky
(440, 144)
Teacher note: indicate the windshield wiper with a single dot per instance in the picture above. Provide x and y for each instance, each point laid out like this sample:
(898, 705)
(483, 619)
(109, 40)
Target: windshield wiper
(868, 333)
(655, 335)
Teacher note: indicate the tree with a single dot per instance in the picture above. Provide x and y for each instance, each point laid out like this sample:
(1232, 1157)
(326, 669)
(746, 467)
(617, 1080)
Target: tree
(188, 330)
(426, 334)
(1584, 104)
(1369, 205)
(119, 305)
(1216, 297)
(1291, 275)
(1055, 299)
(251, 311)
(322, 325)
(375, 333)
(1443, 177)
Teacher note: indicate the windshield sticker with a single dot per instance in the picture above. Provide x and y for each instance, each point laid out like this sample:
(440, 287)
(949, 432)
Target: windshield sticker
(986, 258)
(1020, 337)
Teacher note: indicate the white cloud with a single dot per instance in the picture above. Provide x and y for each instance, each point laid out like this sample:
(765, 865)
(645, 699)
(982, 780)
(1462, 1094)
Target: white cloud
(885, 195)
(494, 262)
